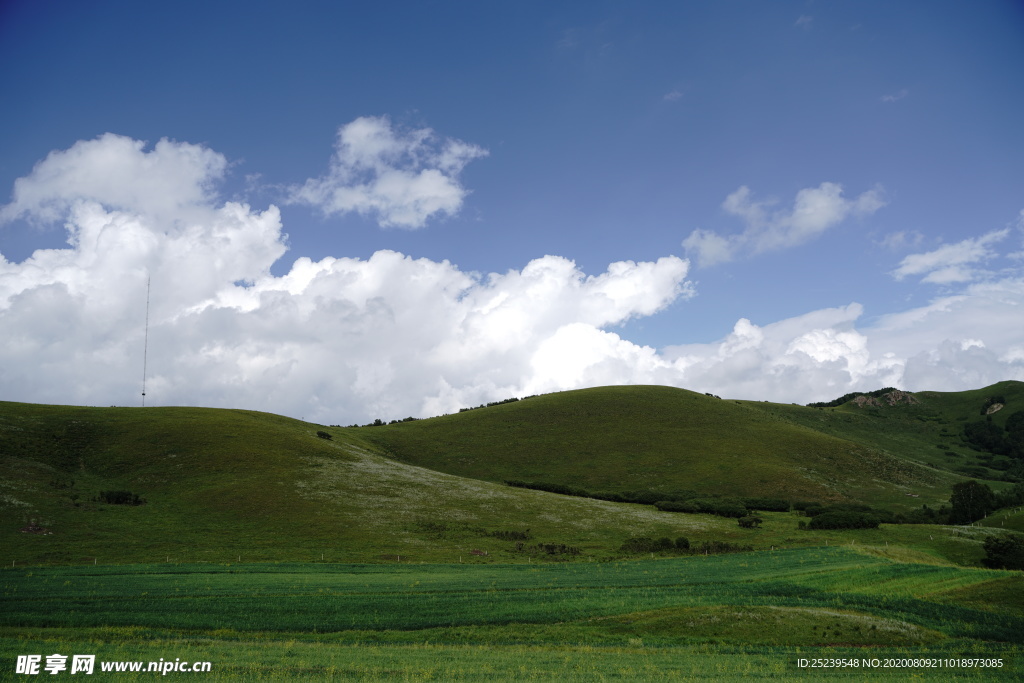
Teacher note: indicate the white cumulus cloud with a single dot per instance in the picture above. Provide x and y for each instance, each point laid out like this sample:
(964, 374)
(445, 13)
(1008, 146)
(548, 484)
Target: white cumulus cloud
(402, 178)
(959, 342)
(331, 340)
(171, 180)
(814, 211)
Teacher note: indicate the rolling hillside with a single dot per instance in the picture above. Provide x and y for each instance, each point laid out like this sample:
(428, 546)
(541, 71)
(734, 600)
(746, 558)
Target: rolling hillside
(637, 437)
(232, 485)
(223, 485)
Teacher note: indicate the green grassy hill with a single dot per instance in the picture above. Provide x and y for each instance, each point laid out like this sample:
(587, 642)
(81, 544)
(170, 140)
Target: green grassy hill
(224, 485)
(653, 437)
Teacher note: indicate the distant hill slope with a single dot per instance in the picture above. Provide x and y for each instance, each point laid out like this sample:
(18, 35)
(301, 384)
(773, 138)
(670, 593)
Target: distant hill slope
(928, 431)
(656, 437)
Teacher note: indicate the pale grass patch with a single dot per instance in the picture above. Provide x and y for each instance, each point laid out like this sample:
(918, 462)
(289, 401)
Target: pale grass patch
(900, 554)
(893, 626)
(383, 490)
(11, 500)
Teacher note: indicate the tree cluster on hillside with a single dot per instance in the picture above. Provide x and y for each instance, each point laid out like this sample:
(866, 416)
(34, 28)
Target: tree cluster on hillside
(849, 397)
(987, 436)
(723, 507)
(972, 500)
(846, 516)
(380, 423)
(496, 403)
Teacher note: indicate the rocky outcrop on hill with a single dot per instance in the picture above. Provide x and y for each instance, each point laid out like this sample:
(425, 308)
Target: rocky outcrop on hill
(896, 397)
(892, 398)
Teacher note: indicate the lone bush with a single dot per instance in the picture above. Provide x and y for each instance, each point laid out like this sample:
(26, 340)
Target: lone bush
(750, 521)
(323, 435)
(120, 498)
(1005, 552)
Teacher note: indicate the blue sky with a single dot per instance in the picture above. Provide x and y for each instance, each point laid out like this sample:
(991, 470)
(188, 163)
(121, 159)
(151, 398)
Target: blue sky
(878, 144)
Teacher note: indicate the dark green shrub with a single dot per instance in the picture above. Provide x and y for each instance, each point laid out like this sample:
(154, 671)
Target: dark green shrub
(819, 509)
(750, 522)
(682, 543)
(925, 515)
(556, 549)
(120, 498)
(638, 544)
(715, 547)
(767, 504)
(974, 471)
(723, 507)
(509, 535)
(985, 435)
(1011, 496)
(550, 488)
(1006, 552)
(323, 435)
(642, 497)
(843, 519)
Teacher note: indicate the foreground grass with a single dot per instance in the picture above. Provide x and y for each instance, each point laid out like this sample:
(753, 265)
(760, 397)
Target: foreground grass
(701, 618)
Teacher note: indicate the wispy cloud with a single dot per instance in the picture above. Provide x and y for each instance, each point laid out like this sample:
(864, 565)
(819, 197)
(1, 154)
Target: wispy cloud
(400, 177)
(814, 211)
(951, 263)
(895, 96)
(804, 21)
(903, 239)
(673, 96)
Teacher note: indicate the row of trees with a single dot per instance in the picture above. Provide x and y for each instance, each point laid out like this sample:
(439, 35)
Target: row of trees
(647, 544)
(669, 501)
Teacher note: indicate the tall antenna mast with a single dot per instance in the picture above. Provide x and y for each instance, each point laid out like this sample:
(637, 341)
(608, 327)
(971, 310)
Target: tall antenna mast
(145, 344)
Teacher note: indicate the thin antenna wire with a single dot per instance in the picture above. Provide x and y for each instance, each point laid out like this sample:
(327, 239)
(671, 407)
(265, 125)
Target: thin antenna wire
(145, 345)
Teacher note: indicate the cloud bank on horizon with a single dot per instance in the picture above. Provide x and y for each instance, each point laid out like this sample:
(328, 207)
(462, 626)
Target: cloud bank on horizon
(346, 339)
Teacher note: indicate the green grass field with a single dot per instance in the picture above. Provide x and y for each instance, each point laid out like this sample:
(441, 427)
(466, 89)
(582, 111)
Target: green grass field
(671, 619)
